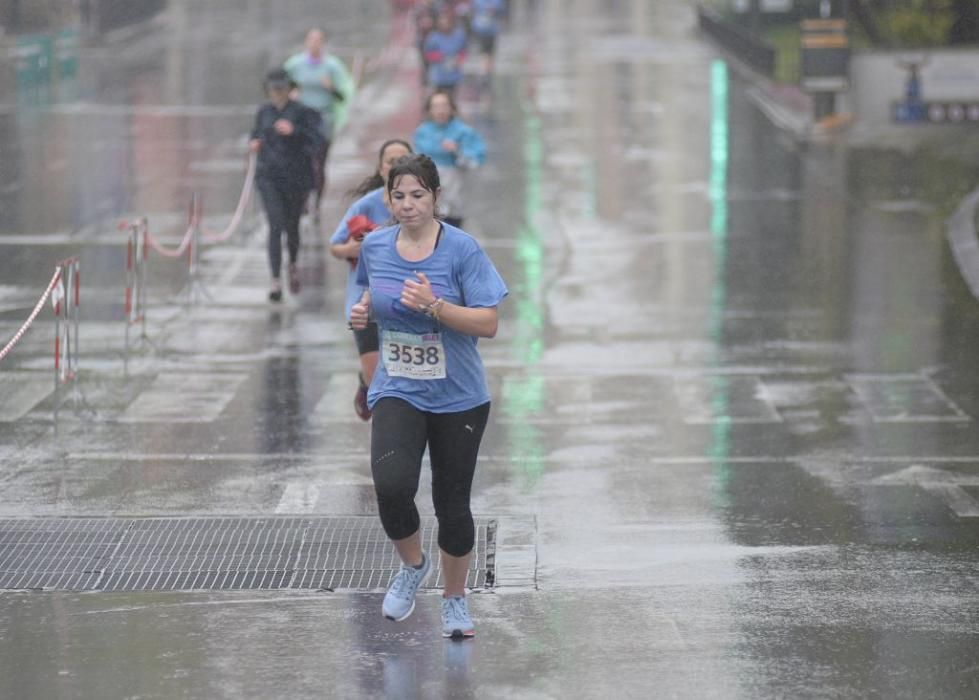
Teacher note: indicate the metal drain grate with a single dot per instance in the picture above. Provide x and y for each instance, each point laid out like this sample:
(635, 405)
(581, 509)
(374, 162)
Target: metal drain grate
(170, 554)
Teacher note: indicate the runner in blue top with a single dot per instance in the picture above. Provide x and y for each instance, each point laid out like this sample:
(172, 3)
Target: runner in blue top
(445, 52)
(369, 210)
(485, 26)
(454, 146)
(433, 292)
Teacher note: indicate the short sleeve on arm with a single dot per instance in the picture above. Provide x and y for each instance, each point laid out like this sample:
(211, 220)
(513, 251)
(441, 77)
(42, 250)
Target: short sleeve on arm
(341, 232)
(482, 286)
(361, 274)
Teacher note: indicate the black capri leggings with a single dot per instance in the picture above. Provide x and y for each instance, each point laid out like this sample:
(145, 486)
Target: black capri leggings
(399, 434)
(284, 208)
(367, 339)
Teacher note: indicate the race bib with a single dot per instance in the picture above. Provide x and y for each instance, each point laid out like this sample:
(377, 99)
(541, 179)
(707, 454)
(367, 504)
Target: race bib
(413, 356)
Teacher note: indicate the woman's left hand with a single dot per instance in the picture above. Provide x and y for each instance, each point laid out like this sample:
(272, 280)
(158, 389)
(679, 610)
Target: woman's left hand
(417, 295)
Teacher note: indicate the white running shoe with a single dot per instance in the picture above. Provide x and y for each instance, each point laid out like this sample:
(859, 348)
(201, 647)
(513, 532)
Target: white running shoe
(399, 602)
(456, 622)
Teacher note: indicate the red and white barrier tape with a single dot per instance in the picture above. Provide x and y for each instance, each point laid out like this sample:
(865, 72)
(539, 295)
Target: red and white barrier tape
(193, 225)
(171, 252)
(195, 219)
(243, 199)
(55, 280)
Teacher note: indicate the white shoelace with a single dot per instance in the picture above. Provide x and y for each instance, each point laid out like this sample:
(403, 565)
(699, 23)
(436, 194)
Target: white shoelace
(456, 610)
(406, 580)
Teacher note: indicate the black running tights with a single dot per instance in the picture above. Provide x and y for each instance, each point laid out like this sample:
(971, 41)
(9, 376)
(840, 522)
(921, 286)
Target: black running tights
(284, 209)
(399, 435)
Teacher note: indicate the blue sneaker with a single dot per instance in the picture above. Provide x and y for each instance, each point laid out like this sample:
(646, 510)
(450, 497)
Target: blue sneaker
(456, 622)
(399, 602)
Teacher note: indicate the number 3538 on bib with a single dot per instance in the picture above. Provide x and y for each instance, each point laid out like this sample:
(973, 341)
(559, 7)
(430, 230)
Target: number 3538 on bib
(413, 356)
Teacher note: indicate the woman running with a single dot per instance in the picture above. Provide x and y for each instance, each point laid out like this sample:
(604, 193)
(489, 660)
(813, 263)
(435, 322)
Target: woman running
(327, 86)
(287, 135)
(485, 26)
(369, 211)
(445, 52)
(454, 146)
(433, 292)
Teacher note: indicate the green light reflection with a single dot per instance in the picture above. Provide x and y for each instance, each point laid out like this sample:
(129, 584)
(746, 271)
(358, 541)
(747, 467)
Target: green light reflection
(523, 396)
(717, 193)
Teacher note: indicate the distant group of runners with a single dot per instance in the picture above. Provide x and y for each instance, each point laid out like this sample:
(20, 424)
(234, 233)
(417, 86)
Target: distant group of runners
(444, 30)
(420, 290)
(308, 98)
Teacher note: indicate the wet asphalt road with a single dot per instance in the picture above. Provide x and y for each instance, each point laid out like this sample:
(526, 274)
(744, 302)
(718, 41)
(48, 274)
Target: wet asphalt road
(733, 441)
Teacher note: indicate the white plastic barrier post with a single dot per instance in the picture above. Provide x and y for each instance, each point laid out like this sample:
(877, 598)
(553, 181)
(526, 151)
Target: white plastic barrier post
(195, 287)
(137, 255)
(66, 298)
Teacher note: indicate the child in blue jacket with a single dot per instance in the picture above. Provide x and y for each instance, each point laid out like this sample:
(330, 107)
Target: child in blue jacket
(454, 146)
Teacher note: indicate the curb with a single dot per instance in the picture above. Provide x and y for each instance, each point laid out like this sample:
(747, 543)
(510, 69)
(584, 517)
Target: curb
(963, 238)
(780, 115)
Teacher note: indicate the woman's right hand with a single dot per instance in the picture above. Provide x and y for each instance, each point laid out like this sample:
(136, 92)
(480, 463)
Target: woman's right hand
(359, 313)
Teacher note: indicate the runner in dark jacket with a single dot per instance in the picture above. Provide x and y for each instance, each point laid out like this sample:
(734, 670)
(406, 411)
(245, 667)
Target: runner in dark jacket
(286, 136)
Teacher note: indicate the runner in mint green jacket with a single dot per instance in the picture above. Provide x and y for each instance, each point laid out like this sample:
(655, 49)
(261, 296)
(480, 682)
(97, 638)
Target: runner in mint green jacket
(326, 85)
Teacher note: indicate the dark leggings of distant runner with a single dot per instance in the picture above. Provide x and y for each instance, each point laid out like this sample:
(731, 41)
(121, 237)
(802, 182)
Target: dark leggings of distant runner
(319, 174)
(398, 439)
(283, 207)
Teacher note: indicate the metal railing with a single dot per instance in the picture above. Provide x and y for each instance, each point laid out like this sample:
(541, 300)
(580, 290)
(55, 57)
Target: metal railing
(747, 47)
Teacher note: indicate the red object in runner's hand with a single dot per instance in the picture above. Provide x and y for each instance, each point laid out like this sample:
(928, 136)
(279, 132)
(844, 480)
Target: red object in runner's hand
(358, 227)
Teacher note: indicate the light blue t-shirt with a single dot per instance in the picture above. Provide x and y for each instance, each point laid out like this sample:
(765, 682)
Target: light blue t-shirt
(443, 52)
(486, 16)
(461, 273)
(372, 206)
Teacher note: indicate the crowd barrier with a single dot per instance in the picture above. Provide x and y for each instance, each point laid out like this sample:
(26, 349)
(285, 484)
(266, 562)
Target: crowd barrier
(8, 348)
(64, 291)
(137, 258)
(140, 241)
(64, 288)
(66, 298)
